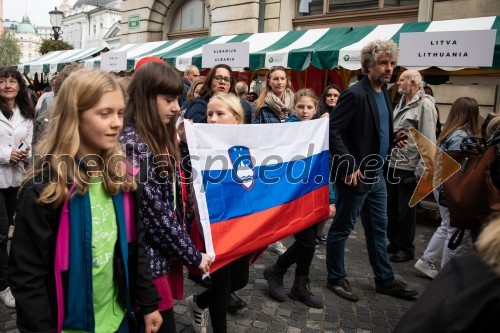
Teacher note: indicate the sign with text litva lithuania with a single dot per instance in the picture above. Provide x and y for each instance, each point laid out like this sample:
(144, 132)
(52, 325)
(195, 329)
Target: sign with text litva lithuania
(114, 61)
(472, 48)
(236, 55)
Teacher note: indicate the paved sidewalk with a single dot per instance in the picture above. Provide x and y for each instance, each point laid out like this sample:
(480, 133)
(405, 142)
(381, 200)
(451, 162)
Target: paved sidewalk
(372, 313)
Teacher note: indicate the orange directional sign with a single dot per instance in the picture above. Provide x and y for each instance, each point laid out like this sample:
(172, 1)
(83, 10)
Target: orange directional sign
(439, 166)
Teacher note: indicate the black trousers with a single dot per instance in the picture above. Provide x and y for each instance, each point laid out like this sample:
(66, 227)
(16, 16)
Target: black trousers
(301, 251)
(225, 280)
(401, 217)
(8, 204)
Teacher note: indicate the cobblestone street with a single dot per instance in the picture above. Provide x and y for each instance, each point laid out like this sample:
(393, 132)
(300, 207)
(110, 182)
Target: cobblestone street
(372, 313)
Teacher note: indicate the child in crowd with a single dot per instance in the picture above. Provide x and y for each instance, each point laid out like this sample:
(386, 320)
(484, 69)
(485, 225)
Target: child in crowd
(302, 250)
(150, 141)
(221, 109)
(74, 261)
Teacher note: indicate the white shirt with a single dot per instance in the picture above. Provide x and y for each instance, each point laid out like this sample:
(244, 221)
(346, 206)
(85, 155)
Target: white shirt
(12, 132)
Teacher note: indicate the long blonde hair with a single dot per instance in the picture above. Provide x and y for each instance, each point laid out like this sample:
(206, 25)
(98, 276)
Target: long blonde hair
(488, 243)
(58, 150)
(464, 114)
(267, 87)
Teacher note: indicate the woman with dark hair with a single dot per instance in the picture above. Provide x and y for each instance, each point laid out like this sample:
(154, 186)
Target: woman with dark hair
(275, 102)
(463, 121)
(16, 131)
(328, 100)
(220, 79)
(149, 139)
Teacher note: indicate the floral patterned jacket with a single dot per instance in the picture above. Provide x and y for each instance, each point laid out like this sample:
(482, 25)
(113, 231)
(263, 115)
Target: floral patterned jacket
(165, 236)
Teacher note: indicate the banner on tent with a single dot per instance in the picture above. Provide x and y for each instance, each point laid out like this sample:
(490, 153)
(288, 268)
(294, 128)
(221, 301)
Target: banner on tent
(256, 184)
(114, 61)
(236, 55)
(447, 48)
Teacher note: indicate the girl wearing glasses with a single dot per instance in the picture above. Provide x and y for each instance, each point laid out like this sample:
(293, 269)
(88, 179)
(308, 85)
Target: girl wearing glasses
(219, 80)
(16, 126)
(328, 100)
(276, 100)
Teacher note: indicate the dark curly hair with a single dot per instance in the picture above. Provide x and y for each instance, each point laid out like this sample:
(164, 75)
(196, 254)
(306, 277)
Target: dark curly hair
(22, 99)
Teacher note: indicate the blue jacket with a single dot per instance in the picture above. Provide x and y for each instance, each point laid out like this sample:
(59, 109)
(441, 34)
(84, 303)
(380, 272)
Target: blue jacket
(197, 110)
(266, 115)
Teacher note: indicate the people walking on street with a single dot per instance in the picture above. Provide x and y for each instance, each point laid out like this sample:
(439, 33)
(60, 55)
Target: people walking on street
(302, 250)
(463, 121)
(77, 261)
(16, 131)
(150, 142)
(415, 109)
(221, 109)
(360, 127)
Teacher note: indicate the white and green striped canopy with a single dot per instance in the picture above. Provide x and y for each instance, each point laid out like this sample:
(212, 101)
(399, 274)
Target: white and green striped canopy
(322, 48)
(54, 61)
(292, 49)
(346, 52)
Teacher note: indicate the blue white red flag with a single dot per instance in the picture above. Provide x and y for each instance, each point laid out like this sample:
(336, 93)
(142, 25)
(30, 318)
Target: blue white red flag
(256, 184)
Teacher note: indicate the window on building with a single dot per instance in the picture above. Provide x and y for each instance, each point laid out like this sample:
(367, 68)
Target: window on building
(95, 29)
(191, 16)
(101, 26)
(320, 7)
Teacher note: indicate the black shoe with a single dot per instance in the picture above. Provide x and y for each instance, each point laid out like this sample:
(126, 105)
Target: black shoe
(235, 303)
(392, 248)
(274, 276)
(397, 289)
(206, 282)
(401, 256)
(343, 289)
(301, 291)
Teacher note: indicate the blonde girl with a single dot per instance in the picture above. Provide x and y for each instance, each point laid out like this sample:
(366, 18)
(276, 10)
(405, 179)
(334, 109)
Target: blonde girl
(80, 153)
(221, 109)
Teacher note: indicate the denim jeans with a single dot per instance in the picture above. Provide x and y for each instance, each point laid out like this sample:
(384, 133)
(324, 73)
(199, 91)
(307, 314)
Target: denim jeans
(372, 206)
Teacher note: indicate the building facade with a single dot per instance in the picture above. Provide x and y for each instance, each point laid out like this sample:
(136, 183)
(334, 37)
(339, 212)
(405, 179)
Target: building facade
(87, 23)
(26, 36)
(153, 20)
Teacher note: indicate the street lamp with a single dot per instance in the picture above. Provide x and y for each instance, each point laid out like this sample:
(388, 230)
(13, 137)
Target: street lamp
(56, 17)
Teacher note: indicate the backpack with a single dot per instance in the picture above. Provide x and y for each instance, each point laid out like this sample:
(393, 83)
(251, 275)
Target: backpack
(470, 193)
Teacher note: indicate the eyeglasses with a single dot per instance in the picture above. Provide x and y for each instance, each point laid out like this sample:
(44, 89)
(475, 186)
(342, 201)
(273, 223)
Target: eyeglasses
(11, 82)
(219, 79)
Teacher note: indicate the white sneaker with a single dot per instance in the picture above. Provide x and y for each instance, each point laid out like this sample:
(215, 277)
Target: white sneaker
(7, 298)
(11, 231)
(277, 247)
(426, 268)
(199, 316)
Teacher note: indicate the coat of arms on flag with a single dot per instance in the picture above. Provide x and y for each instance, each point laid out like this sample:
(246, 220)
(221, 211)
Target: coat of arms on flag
(256, 184)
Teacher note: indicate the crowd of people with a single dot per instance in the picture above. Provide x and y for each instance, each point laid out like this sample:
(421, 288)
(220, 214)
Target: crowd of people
(100, 245)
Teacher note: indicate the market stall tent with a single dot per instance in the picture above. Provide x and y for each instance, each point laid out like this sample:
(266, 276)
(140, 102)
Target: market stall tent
(291, 49)
(54, 61)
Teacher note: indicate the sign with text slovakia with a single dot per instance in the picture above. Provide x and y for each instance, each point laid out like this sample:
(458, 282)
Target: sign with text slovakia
(236, 55)
(474, 48)
(114, 61)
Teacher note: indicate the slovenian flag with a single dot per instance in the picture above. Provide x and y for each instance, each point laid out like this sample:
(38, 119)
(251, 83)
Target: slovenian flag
(256, 184)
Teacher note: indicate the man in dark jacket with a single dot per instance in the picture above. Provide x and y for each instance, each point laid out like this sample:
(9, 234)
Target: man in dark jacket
(191, 73)
(361, 135)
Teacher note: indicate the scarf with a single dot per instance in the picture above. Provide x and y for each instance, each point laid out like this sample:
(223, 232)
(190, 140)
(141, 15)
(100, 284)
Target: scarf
(281, 106)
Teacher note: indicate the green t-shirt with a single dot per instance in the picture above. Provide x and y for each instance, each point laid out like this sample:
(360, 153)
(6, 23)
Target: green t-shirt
(108, 312)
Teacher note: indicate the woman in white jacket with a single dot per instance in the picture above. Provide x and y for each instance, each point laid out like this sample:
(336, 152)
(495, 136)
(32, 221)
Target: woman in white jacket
(16, 130)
